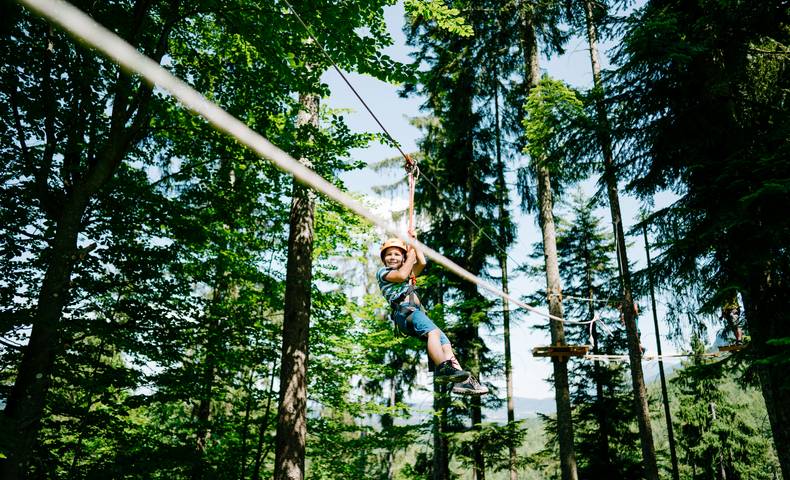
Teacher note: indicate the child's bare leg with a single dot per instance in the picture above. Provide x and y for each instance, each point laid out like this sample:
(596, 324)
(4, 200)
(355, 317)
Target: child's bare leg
(435, 350)
(449, 355)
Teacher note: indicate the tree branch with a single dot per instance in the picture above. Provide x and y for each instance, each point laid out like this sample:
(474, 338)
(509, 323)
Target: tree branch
(12, 94)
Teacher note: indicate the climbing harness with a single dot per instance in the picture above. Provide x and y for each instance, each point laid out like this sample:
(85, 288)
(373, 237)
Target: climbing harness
(402, 317)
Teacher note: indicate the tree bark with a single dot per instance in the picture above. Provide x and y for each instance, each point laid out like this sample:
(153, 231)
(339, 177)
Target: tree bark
(441, 457)
(765, 304)
(546, 217)
(667, 413)
(600, 399)
(25, 404)
(289, 463)
(260, 455)
(503, 220)
(387, 421)
(554, 290)
(245, 428)
(629, 318)
(203, 417)
(477, 421)
(440, 468)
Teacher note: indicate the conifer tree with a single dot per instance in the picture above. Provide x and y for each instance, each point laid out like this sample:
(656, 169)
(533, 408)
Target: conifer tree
(550, 105)
(717, 440)
(601, 397)
(700, 113)
(460, 201)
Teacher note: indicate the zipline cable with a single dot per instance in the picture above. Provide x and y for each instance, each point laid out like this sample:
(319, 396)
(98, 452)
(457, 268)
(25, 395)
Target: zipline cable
(83, 27)
(343, 76)
(411, 167)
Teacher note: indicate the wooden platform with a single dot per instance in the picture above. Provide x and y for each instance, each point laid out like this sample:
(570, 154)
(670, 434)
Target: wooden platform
(563, 351)
(731, 348)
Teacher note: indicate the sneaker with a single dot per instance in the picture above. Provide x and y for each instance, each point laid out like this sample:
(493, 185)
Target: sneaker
(447, 373)
(470, 387)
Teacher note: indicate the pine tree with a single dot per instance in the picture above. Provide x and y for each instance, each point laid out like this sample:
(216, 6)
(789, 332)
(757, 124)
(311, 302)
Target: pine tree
(716, 438)
(701, 113)
(603, 407)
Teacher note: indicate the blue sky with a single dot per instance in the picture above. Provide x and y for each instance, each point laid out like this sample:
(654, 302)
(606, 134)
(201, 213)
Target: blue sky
(574, 68)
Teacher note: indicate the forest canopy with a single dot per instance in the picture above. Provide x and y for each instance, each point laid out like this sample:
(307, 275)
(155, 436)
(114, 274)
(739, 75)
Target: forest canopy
(173, 305)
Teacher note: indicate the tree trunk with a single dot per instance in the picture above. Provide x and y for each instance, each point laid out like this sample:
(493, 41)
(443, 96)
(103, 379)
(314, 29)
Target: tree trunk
(245, 428)
(387, 421)
(766, 307)
(603, 423)
(632, 333)
(289, 460)
(667, 413)
(25, 404)
(260, 454)
(503, 220)
(203, 417)
(127, 124)
(440, 468)
(441, 457)
(223, 291)
(553, 289)
(561, 389)
(477, 421)
(600, 399)
(629, 318)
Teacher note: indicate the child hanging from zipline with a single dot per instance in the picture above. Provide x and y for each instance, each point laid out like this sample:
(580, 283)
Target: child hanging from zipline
(400, 262)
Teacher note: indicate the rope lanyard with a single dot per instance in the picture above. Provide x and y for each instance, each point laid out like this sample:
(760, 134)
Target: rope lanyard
(411, 168)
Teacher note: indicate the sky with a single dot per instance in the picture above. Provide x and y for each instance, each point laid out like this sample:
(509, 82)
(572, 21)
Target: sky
(573, 67)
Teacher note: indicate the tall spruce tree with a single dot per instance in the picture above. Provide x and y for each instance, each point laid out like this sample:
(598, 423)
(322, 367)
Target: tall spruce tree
(551, 105)
(460, 203)
(536, 27)
(718, 441)
(590, 18)
(603, 407)
(703, 114)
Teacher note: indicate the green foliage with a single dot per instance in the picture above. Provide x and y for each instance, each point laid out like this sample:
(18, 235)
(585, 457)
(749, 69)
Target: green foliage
(458, 156)
(494, 442)
(716, 435)
(600, 391)
(165, 352)
(165, 363)
(446, 18)
(699, 95)
(551, 107)
(552, 110)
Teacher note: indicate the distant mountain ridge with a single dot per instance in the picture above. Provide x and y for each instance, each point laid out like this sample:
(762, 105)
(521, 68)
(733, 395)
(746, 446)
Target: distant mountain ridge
(523, 408)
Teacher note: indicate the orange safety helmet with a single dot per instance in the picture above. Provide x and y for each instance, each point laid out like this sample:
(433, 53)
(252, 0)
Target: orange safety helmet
(392, 242)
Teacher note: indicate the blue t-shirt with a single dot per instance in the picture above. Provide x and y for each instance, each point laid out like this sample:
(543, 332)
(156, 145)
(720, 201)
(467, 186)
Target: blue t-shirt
(390, 290)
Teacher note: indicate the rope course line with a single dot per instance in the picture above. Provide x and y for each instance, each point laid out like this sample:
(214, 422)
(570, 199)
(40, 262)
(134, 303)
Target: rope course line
(583, 299)
(84, 28)
(411, 165)
(604, 357)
